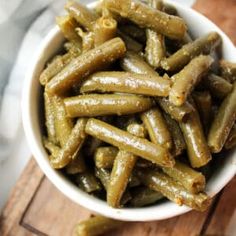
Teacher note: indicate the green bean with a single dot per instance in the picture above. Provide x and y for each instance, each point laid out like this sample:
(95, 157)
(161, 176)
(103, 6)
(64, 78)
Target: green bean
(76, 165)
(155, 44)
(50, 118)
(132, 62)
(88, 182)
(130, 43)
(96, 226)
(173, 190)
(63, 124)
(157, 127)
(104, 29)
(183, 56)
(178, 113)
(128, 142)
(198, 151)
(82, 14)
(218, 86)
(223, 122)
(72, 49)
(143, 196)
(134, 32)
(87, 63)
(204, 103)
(187, 78)
(71, 146)
(104, 156)
(134, 181)
(87, 39)
(51, 147)
(147, 17)
(228, 70)
(170, 9)
(106, 104)
(231, 140)
(126, 82)
(54, 67)
(193, 181)
(137, 130)
(177, 137)
(67, 25)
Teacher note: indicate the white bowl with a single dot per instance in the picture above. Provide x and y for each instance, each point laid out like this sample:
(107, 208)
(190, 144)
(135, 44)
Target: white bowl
(199, 25)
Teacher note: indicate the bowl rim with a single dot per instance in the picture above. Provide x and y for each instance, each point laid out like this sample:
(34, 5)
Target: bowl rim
(156, 212)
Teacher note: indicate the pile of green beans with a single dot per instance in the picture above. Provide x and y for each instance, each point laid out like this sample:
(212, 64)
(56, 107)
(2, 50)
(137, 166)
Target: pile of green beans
(134, 110)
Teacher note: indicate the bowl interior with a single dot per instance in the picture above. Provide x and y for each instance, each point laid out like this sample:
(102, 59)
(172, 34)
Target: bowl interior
(199, 25)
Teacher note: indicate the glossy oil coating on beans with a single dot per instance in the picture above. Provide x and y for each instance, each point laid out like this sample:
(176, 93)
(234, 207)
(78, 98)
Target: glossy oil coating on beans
(157, 127)
(120, 175)
(178, 143)
(104, 156)
(138, 130)
(173, 190)
(182, 57)
(107, 104)
(228, 70)
(155, 44)
(126, 82)
(198, 151)
(187, 78)
(129, 142)
(148, 17)
(82, 14)
(89, 62)
(143, 196)
(218, 86)
(71, 146)
(223, 122)
(87, 39)
(176, 112)
(96, 225)
(192, 180)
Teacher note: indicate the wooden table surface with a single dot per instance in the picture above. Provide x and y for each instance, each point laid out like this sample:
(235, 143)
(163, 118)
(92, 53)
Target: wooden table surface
(36, 207)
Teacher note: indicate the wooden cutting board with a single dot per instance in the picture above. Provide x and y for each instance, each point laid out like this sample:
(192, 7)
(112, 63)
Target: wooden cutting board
(36, 207)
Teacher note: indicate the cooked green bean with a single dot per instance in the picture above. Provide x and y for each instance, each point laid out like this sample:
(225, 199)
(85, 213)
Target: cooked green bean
(96, 225)
(170, 9)
(72, 48)
(87, 39)
(183, 56)
(223, 122)
(134, 32)
(173, 190)
(71, 146)
(104, 29)
(147, 17)
(51, 147)
(137, 130)
(63, 124)
(82, 14)
(134, 181)
(128, 142)
(106, 104)
(218, 86)
(143, 196)
(177, 137)
(204, 103)
(228, 70)
(126, 82)
(76, 165)
(231, 140)
(198, 151)
(87, 63)
(120, 175)
(155, 44)
(67, 25)
(54, 67)
(187, 78)
(130, 43)
(132, 62)
(104, 156)
(157, 127)
(193, 181)
(88, 182)
(176, 112)
(50, 118)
